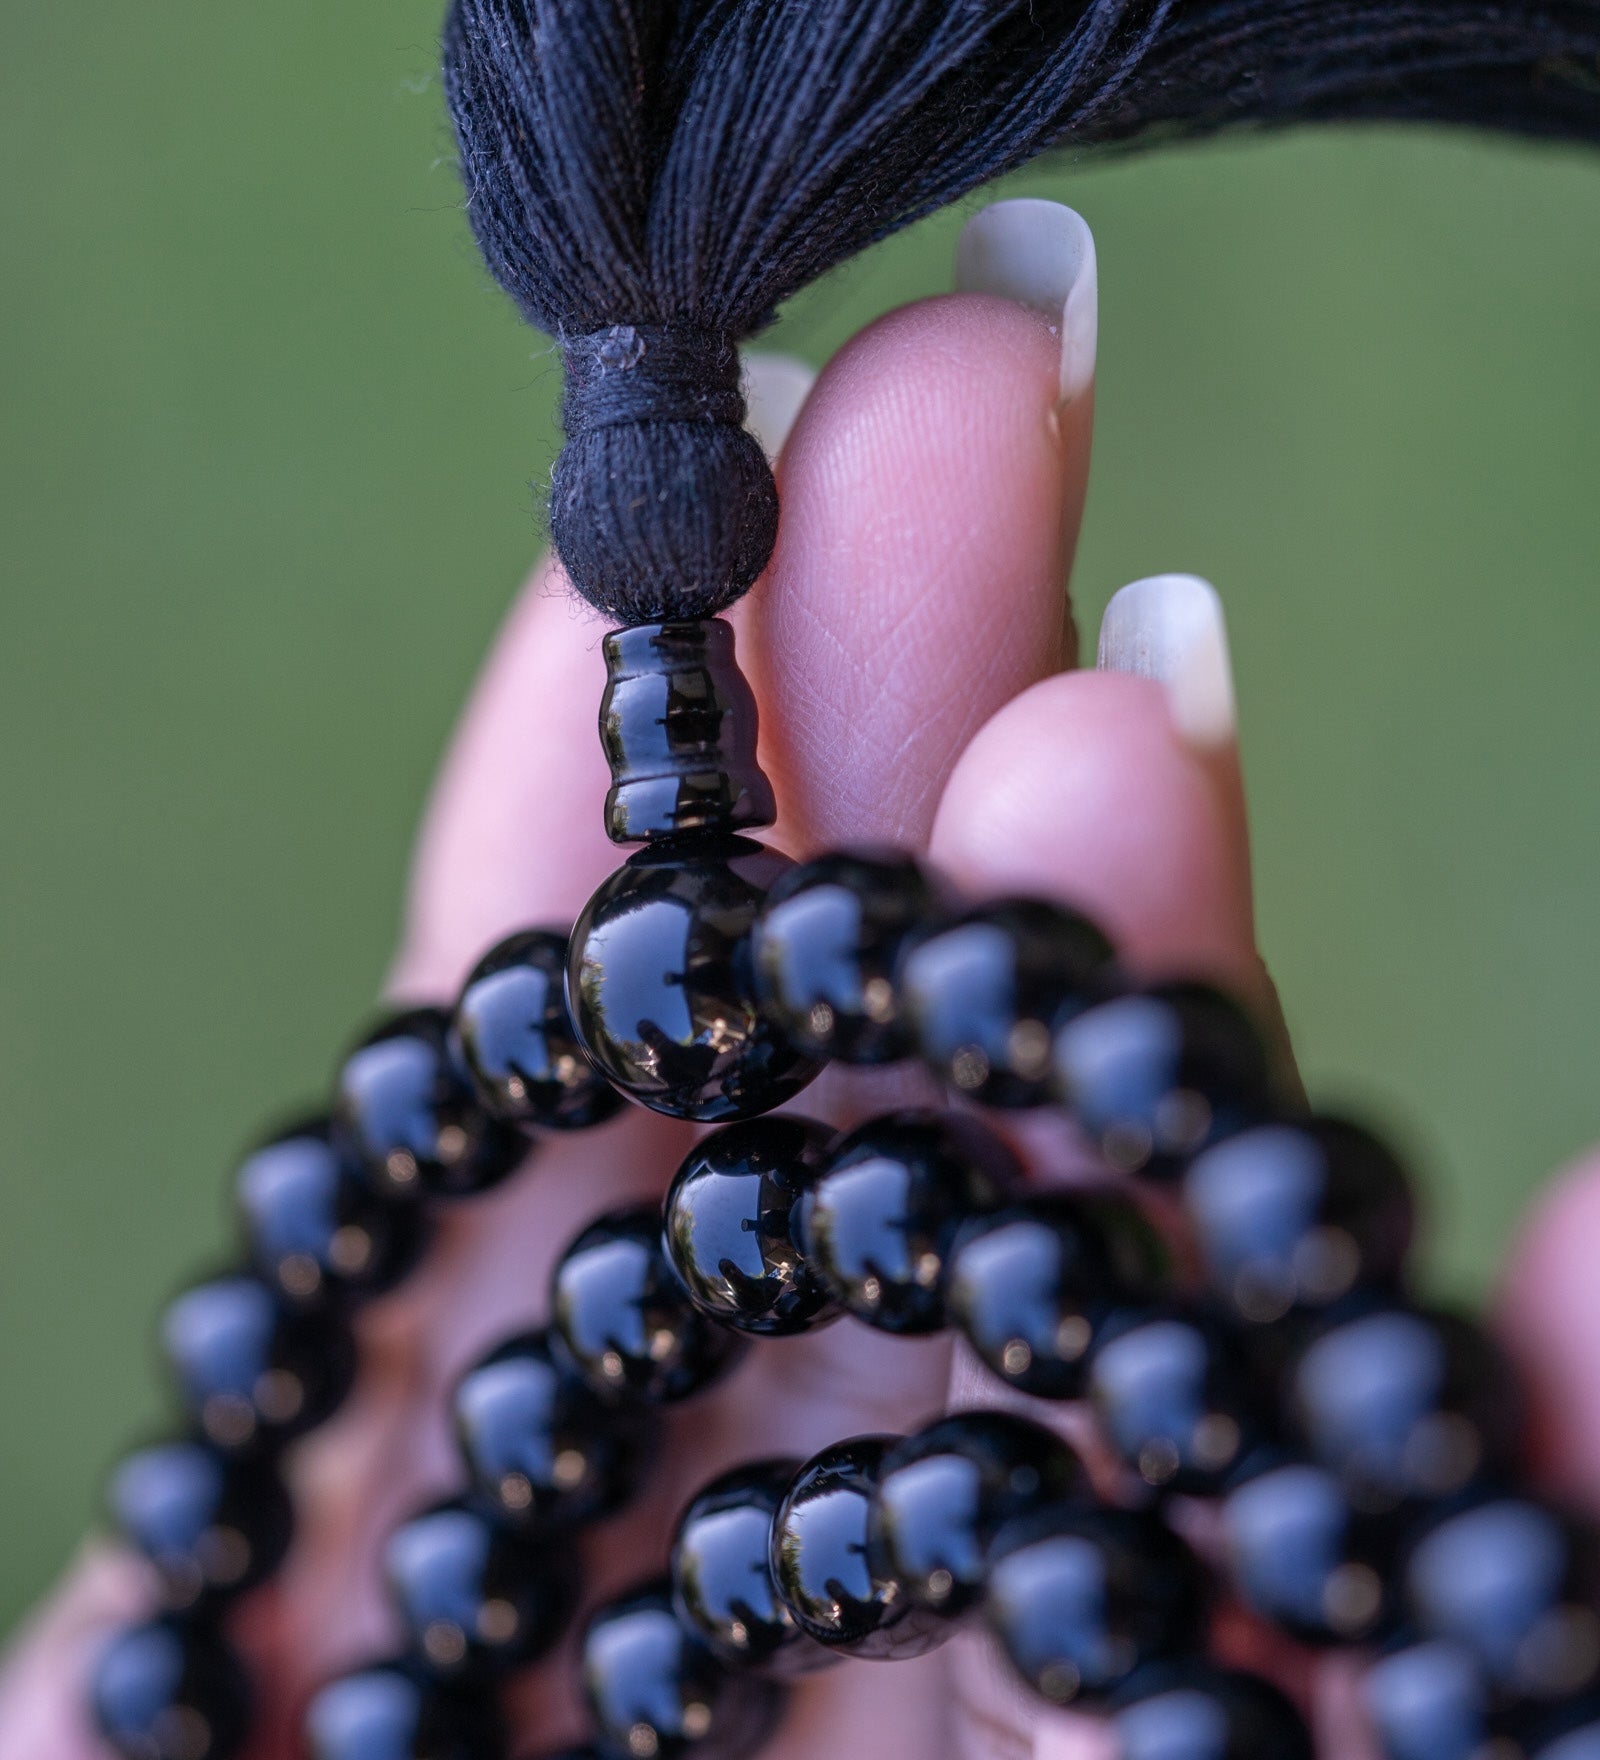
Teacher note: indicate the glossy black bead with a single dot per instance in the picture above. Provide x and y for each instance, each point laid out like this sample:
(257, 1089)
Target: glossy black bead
(1428, 1701)
(515, 1039)
(722, 1581)
(314, 1227)
(678, 725)
(621, 1314)
(411, 1118)
(394, 1712)
(1173, 1398)
(1302, 1558)
(1157, 1074)
(1032, 1285)
(985, 993)
(945, 1492)
(1403, 1404)
(210, 1524)
(170, 1691)
(1297, 1214)
(826, 947)
(823, 1565)
(662, 987)
(656, 1690)
(1079, 1598)
(474, 1595)
(541, 1445)
(249, 1369)
(730, 1226)
(1194, 1710)
(878, 1224)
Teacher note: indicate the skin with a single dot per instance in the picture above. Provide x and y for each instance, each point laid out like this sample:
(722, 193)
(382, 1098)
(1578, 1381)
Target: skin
(908, 646)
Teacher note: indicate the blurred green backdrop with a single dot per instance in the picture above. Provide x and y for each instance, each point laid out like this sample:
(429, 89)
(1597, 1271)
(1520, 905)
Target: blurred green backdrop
(265, 440)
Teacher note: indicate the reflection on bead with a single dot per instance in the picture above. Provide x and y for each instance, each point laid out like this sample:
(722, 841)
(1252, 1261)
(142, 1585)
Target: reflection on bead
(515, 1039)
(1193, 1710)
(473, 1594)
(661, 986)
(1079, 1598)
(823, 1565)
(1428, 1701)
(1031, 1286)
(986, 992)
(722, 1580)
(170, 1691)
(656, 1692)
(391, 1712)
(541, 1445)
(879, 1223)
(1297, 1214)
(410, 1117)
(210, 1525)
(314, 1227)
(625, 1320)
(944, 1493)
(730, 1222)
(248, 1369)
(826, 945)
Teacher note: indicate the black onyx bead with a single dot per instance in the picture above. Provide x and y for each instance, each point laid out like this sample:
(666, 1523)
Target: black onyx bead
(314, 1227)
(878, 1224)
(826, 945)
(1080, 1598)
(662, 988)
(544, 1448)
(1156, 1074)
(209, 1524)
(1429, 1701)
(656, 1691)
(1193, 1710)
(1403, 1404)
(1296, 1215)
(1173, 1398)
(1031, 1286)
(722, 1582)
(391, 1712)
(945, 1492)
(515, 1039)
(678, 725)
(985, 993)
(730, 1224)
(620, 1312)
(823, 1564)
(473, 1594)
(1302, 1558)
(247, 1368)
(411, 1118)
(170, 1691)
(1518, 1586)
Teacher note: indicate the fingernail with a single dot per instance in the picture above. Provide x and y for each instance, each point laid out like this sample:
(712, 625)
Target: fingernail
(1170, 628)
(775, 386)
(1040, 254)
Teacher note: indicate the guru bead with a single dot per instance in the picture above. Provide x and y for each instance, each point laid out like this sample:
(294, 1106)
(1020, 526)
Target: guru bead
(1193, 1710)
(514, 1037)
(409, 1116)
(662, 988)
(392, 1712)
(730, 1226)
(621, 1314)
(879, 1223)
(826, 946)
(678, 726)
(985, 992)
(944, 1493)
(170, 1691)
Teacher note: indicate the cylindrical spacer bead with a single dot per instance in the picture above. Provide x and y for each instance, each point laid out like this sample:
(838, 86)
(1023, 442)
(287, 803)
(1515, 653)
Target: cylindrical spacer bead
(678, 724)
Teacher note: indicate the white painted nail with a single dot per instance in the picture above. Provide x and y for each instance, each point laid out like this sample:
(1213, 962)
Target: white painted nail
(775, 386)
(1170, 628)
(1040, 254)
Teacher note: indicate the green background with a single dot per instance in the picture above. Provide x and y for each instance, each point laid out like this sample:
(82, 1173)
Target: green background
(266, 435)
